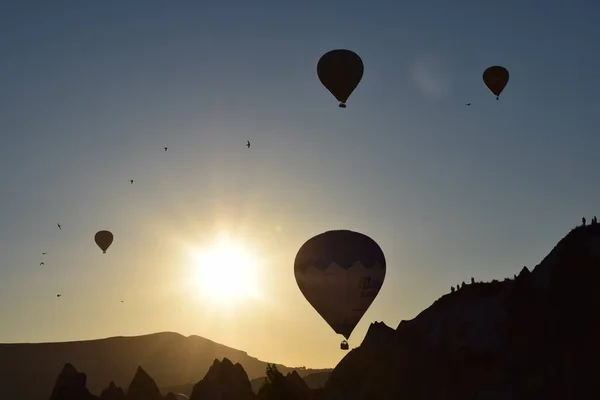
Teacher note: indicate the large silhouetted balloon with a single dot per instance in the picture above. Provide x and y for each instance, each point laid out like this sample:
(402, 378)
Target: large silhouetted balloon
(103, 239)
(496, 79)
(340, 273)
(340, 71)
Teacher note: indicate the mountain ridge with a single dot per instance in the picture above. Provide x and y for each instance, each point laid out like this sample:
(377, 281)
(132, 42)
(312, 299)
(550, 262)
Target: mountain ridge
(169, 357)
(527, 337)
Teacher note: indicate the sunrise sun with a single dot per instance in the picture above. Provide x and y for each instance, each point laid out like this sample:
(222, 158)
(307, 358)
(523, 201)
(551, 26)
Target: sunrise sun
(225, 272)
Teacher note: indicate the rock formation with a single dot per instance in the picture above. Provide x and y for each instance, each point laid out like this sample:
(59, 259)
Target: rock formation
(71, 385)
(112, 392)
(143, 387)
(224, 381)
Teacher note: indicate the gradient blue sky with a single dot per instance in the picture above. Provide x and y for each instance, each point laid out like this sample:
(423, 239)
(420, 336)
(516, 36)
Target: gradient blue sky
(91, 91)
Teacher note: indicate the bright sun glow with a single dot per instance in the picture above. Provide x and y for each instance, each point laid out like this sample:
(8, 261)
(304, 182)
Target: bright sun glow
(225, 273)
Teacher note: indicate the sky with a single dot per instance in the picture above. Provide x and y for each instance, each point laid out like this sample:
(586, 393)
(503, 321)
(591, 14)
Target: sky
(91, 92)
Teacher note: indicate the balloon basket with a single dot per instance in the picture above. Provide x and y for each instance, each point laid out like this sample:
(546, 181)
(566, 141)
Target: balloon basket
(342, 105)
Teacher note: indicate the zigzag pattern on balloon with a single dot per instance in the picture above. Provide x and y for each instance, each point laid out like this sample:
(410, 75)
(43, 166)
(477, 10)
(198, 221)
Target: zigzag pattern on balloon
(342, 247)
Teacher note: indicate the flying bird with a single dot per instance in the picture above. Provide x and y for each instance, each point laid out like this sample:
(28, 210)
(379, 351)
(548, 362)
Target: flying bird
(166, 148)
(59, 227)
(42, 263)
(58, 295)
(468, 104)
(122, 301)
(131, 181)
(44, 254)
(247, 143)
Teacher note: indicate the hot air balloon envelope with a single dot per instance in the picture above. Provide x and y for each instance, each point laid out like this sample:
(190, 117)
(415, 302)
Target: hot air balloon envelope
(496, 79)
(340, 273)
(103, 239)
(340, 71)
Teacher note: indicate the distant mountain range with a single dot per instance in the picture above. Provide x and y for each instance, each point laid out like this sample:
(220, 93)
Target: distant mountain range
(28, 371)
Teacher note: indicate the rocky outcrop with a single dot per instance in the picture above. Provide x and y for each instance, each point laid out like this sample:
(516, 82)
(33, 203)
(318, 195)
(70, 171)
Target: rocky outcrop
(71, 385)
(112, 392)
(533, 337)
(313, 381)
(297, 382)
(288, 387)
(224, 381)
(143, 387)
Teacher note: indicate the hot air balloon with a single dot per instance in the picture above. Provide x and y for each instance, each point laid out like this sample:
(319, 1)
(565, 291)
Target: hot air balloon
(340, 71)
(496, 78)
(340, 273)
(103, 239)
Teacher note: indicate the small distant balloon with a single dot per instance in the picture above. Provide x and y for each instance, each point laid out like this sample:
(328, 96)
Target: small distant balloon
(496, 79)
(340, 71)
(103, 239)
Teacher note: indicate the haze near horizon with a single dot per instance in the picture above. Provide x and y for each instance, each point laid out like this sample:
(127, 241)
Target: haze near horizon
(92, 93)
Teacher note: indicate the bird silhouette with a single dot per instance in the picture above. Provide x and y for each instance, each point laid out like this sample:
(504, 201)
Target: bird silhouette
(468, 104)
(131, 181)
(247, 143)
(166, 148)
(58, 295)
(122, 301)
(59, 226)
(44, 254)
(42, 263)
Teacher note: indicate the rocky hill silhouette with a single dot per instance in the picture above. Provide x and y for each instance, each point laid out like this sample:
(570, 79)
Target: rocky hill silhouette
(532, 337)
(143, 387)
(28, 371)
(71, 385)
(112, 392)
(315, 380)
(224, 381)
(278, 386)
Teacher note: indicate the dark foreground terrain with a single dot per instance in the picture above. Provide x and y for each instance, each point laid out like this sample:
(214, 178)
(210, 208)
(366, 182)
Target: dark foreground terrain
(175, 362)
(533, 336)
(224, 380)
